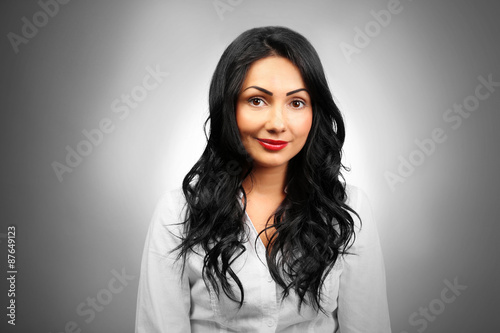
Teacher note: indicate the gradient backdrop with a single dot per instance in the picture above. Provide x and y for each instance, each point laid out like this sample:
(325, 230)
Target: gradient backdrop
(67, 70)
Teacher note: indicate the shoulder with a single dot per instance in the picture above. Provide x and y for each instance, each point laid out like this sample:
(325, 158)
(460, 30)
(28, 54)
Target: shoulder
(170, 206)
(166, 226)
(364, 223)
(356, 197)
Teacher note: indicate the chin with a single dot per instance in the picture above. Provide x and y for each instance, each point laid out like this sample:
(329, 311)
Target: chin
(269, 163)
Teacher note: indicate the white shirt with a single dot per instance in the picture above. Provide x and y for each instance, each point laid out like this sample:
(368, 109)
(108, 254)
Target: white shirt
(355, 302)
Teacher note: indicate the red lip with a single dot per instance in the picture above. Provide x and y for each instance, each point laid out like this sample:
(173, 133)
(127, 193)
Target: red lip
(272, 144)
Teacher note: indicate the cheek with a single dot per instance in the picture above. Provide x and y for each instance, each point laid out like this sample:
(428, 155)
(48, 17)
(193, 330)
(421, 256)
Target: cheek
(241, 122)
(247, 124)
(302, 127)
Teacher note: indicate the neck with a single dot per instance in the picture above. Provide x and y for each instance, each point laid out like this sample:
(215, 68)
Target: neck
(266, 181)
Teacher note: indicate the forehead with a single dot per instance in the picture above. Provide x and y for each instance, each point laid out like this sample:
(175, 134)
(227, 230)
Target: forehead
(274, 72)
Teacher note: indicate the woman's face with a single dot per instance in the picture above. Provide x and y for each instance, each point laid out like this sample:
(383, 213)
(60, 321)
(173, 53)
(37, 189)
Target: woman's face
(273, 112)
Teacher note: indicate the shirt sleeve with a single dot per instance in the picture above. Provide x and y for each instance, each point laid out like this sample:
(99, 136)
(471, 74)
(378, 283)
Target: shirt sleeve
(362, 305)
(163, 302)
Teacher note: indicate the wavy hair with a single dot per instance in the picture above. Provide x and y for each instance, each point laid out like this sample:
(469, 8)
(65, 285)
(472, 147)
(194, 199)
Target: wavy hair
(313, 226)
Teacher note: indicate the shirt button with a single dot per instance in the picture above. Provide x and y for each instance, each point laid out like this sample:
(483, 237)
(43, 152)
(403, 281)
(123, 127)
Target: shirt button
(270, 322)
(269, 279)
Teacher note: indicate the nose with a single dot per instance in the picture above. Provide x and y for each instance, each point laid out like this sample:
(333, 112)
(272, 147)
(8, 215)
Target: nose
(275, 122)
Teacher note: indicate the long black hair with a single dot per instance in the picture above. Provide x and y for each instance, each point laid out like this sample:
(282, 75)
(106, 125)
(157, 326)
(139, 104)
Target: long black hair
(313, 226)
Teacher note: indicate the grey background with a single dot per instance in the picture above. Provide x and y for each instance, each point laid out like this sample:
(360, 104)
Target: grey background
(441, 223)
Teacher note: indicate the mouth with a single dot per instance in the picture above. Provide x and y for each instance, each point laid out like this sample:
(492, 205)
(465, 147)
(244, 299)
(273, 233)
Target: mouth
(272, 144)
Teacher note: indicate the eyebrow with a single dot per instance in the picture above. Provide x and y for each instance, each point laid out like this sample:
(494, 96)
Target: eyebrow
(270, 93)
(297, 90)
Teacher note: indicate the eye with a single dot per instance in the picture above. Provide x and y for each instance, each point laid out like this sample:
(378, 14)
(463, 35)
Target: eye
(297, 104)
(256, 101)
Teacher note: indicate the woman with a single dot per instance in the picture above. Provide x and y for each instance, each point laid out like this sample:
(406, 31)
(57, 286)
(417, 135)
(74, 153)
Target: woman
(264, 236)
